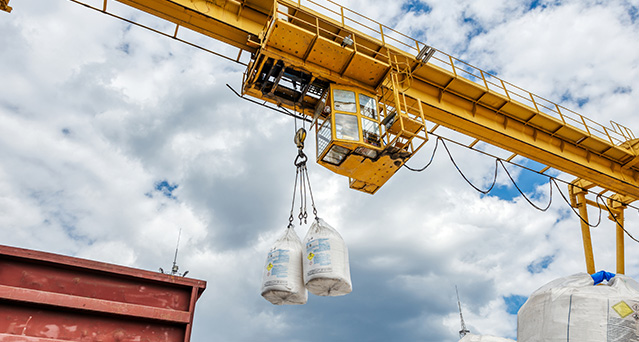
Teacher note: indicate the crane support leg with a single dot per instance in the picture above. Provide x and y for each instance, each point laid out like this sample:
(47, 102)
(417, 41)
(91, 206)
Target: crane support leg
(578, 200)
(615, 205)
(617, 208)
(620, 244)
(585, 233)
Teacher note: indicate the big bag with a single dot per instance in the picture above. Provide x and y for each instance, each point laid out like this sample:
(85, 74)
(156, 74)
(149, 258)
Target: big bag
(282, 281)
(573, 309)
(325, 264)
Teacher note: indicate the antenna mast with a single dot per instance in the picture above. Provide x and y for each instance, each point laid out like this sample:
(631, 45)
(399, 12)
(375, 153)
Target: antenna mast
(463, 330)
(175, 268)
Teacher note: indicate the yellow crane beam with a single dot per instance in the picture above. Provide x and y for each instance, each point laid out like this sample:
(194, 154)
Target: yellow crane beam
(496, 119)
(4, 6)
(461, 97)
(371, 90)
(237, 23)
(333, 45)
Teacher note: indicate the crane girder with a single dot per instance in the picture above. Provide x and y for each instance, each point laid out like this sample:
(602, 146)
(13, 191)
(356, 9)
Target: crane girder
(371, 91)
(503, 117)
(322, 46)
(237, 23)
(521, 129)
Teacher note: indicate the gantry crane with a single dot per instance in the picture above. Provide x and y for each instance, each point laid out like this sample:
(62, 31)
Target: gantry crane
(370, 92)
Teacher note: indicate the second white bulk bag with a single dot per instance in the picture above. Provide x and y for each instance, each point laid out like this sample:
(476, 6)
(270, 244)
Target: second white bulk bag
(282, 281)
(325, 264)
(573, 309)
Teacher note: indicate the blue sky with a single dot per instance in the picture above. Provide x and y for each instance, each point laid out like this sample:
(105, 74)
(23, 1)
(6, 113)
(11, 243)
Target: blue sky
(113, 138)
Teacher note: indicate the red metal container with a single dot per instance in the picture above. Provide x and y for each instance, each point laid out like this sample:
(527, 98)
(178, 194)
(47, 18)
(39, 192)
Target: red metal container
(47, 297)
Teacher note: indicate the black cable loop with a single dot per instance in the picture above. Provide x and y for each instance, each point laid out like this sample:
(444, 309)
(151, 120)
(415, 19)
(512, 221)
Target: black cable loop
(464, 176)
(518, 165)
(615, 219)
(522, 193)
(551, 181)
(584, 220)
(432, 156)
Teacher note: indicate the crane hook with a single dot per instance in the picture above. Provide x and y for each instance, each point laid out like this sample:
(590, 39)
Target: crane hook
(300, 136)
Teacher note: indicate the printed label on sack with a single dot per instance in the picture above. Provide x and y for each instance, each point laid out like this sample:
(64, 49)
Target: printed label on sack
(623, 321)
(277, 263)
(318, 252)
(276, 282)
(319, 270)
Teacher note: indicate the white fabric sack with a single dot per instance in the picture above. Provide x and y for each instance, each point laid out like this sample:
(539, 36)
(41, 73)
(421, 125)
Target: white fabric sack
(572, 309)
(484, 338)
(326, 268)
(282, 281)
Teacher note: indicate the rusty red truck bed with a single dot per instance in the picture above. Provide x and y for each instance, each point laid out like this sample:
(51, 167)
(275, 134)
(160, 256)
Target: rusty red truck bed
(47, 297)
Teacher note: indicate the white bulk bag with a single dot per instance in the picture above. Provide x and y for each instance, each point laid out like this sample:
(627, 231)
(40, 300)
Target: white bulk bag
(326, 268)
(572, 309)
(282, 281)
(484, 338)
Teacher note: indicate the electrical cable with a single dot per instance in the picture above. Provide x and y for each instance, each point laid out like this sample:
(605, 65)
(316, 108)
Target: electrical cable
(554, 180)
(518, 165)
(551, 181)
(614, 217)
(429, 162)
(157, 31)
(464, 176)
(280, 109)
(522, 193)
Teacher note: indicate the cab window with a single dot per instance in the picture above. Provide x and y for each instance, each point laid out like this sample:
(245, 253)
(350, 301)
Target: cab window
(367, 106)
(346, 127)
(344, 101)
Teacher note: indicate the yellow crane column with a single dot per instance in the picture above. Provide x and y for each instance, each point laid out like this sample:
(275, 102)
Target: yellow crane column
(615, 206)
(578, 200)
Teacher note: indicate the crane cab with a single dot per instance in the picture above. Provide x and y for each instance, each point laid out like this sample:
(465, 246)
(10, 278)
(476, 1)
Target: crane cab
(352, 138)
(360, 134)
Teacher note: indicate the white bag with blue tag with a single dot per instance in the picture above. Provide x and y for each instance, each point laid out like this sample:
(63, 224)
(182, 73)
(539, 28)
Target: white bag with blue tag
(573, 309)
(325, 264)
(282, 281)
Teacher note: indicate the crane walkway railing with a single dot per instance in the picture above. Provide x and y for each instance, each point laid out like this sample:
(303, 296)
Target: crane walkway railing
(616, 134)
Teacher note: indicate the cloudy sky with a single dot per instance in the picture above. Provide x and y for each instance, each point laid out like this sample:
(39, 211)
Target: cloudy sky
(112, 138)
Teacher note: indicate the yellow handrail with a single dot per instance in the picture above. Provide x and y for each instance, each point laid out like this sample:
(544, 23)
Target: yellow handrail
(616, 134)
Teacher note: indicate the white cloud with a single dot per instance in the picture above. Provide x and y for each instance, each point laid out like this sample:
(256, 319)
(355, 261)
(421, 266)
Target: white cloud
(96, 113)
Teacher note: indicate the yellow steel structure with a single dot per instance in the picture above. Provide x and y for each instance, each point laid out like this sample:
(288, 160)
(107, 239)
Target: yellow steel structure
(370, 91)
(4, 6)
(297, 53)
(615, 205)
